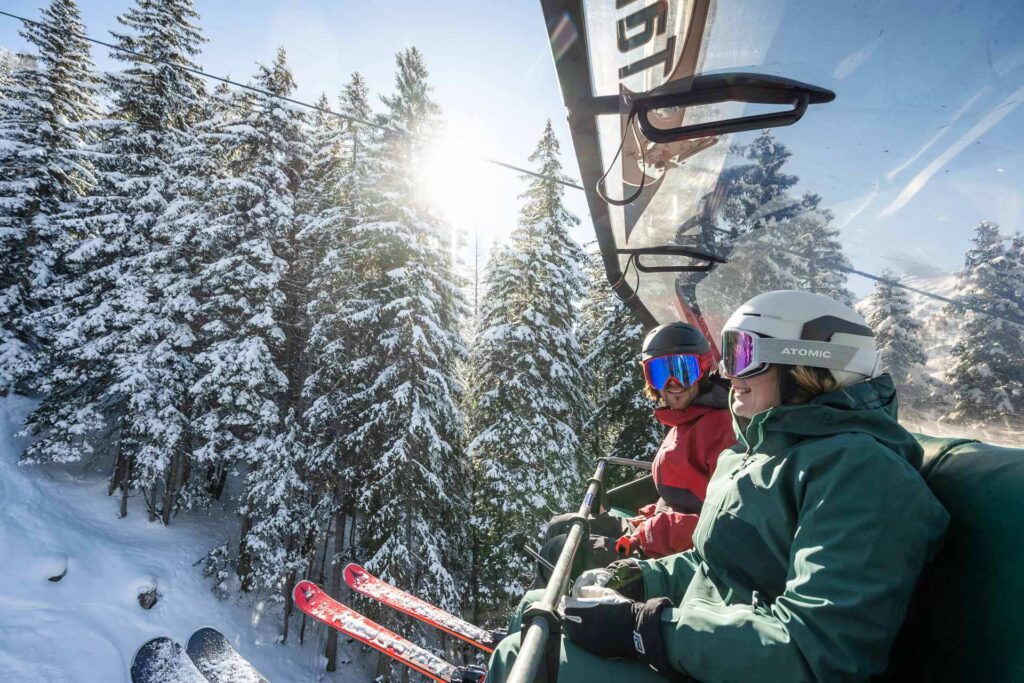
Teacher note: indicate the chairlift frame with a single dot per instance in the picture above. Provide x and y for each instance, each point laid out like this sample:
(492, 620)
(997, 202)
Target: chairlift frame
(540, 620)
(583, 109)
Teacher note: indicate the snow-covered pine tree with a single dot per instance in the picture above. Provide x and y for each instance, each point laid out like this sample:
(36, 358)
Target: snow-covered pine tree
(778, 241)
(757, 193)
(759, 262)
(820, 261)
(404, 311)
(242, 383)
(529, 381)
(898, 337)
(183, 240)
(8, 62)
(45, 98)
(284, 517)
(757, 207)
(122, 362)
(621, 424)
(335, 201)
(321, 220)
(986, 382)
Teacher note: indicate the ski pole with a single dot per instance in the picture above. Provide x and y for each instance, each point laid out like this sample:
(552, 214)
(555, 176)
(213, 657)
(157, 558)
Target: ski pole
(541, 615)
(638, 464)
(535, 555)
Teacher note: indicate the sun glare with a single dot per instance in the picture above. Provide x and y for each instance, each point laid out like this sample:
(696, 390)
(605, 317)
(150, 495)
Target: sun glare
(453, 176)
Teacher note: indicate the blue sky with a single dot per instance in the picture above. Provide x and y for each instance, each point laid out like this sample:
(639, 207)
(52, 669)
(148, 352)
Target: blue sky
(924, 138)
(922, 142)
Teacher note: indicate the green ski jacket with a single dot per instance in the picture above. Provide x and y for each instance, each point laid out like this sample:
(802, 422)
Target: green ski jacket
(815, 529)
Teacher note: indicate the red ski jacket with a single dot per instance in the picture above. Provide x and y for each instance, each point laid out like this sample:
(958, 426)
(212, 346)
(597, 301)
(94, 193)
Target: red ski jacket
(682, 468)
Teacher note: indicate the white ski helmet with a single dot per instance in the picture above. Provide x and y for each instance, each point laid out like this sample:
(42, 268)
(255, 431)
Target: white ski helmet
(791, 327)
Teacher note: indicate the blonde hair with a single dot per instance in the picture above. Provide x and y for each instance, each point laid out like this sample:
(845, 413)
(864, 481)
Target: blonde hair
(810, 382)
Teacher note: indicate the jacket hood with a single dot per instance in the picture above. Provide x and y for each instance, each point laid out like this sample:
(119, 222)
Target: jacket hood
(717, 396)
(868, 407)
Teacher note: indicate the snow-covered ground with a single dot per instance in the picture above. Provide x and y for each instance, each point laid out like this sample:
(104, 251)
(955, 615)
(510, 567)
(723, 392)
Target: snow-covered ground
(87, 626)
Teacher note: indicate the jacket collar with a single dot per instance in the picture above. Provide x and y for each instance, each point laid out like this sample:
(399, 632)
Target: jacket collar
(868, 407)
(678, 418)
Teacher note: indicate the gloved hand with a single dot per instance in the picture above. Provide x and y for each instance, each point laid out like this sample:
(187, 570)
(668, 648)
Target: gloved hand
(591, 577)
(622, 576)
(627, 578)
(610, 625)
(628, 545)
(600, 621)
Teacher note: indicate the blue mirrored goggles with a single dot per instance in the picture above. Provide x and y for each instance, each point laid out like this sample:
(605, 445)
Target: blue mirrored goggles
(685, 369)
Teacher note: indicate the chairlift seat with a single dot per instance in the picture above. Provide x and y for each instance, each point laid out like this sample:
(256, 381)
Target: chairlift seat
(967, 622)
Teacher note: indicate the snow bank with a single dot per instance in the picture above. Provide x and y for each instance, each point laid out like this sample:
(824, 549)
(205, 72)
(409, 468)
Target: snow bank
(87, 626)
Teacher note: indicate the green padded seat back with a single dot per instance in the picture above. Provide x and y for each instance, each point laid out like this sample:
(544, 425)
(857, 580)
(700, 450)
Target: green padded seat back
(625, 500)
(968, 619)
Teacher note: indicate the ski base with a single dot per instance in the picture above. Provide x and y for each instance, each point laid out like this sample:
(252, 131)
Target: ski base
(362, 581)
(218, 660)
(163, 660)
(310, 599)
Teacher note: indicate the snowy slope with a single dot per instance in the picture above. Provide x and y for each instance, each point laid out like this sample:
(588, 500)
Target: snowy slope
(87, 626)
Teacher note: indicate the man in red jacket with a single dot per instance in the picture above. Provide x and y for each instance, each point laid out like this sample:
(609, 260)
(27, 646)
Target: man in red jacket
(677, 364)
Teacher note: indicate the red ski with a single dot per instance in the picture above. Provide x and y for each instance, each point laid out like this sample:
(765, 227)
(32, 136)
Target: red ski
(313, 601)
(362, 581)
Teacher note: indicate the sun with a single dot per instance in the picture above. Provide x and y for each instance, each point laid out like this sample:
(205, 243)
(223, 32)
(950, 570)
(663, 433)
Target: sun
(453, 175)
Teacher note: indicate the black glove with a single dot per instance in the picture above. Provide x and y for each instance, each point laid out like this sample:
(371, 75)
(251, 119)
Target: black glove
(602, 622)
(610, 625)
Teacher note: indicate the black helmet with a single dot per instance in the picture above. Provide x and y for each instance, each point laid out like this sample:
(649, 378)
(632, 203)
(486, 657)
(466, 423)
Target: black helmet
(670, 338)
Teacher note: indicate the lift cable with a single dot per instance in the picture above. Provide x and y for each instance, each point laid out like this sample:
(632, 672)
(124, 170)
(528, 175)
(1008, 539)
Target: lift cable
(354, 119)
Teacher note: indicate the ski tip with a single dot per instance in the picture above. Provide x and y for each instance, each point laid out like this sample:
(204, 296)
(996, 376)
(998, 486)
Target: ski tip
(304, 591)
(203, 635)
(354, 571)
(163, 659)
(153, 643)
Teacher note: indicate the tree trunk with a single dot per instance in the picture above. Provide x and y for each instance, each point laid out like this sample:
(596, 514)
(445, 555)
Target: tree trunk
(244, 568)
(125, 487)
(334, 587)
(151, 502)
(171, 486)
(289, 585)
(120, 472)
(218, 477)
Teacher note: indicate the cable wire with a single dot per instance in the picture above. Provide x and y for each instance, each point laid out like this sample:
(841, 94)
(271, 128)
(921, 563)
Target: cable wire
(265, 93)
(379, 126)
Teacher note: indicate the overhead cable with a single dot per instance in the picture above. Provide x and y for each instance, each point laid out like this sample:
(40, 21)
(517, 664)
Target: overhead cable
(265, 93)
(328, 112)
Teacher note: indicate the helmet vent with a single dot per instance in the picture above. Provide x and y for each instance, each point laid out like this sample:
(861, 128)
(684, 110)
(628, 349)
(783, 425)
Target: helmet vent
(823, 328)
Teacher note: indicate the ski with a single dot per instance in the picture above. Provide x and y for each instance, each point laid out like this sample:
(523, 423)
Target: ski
(310, 599)
(365, 583)
(163, 660)
(216, 659)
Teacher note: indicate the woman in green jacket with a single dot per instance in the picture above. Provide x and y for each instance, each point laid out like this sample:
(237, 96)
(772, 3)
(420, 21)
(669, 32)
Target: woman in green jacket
(815, 528)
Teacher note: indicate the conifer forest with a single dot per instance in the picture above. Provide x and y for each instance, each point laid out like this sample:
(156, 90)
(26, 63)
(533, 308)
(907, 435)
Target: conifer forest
(218, 298)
